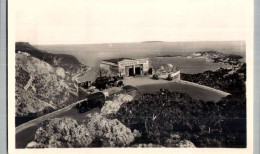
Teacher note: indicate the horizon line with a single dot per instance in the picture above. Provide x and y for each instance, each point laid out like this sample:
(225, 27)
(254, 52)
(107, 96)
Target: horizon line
(133, 42)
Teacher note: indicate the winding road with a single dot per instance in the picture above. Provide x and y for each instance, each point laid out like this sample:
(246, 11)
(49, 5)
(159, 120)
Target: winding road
(26, 134)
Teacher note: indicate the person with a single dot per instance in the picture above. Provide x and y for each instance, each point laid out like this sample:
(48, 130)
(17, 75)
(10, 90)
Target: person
(115, 78)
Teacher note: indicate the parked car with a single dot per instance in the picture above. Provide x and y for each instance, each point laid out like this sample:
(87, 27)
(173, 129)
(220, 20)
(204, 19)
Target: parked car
(169, 77)
(92, 101)
(119, 83)
(101, 83)
(156, 76)
(90, 90)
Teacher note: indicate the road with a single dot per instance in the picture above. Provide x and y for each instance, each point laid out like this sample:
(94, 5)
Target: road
(27, 135)
(148, 85)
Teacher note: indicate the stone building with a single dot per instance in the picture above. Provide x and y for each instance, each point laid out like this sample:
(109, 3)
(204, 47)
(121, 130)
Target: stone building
(126, 66)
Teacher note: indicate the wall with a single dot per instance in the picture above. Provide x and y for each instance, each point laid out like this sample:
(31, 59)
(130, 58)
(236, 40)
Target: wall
(175, 75)
(125, 63)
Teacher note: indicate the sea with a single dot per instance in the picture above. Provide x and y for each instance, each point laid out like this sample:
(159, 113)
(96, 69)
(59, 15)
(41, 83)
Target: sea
(180, 53)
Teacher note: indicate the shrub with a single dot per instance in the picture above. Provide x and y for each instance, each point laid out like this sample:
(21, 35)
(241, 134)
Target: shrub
(109, 133)
(206, 124)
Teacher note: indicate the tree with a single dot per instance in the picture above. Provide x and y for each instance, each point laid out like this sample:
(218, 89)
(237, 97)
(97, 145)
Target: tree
(155, 64)
(102, 72)
(171, 68)
(162, 68)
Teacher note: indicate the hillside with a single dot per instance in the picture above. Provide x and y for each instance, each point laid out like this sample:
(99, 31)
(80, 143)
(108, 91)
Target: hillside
(40, 87)
(217, 57)
(67, 62)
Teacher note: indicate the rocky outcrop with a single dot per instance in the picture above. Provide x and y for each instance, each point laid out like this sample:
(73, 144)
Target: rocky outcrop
(40, 88)
(61, 133)
(96, 131)
(114, 105)
(109, 132)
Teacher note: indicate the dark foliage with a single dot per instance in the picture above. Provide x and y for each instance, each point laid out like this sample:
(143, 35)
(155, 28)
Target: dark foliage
(207, 124)
(67, 62)
(129, 88)
(222, 79)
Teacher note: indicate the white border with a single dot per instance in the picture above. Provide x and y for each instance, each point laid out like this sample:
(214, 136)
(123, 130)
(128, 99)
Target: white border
(11, 101)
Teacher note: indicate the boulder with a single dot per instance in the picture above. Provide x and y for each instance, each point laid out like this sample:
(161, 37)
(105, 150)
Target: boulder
(60, 72)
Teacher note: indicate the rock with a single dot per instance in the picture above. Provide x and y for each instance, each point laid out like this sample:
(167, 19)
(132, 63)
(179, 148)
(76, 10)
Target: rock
(60, 72)
(62, 133)
(35, 145)
(113, 106)
(150, 145)
(37, 84)
(186, 144)
(95, 131)
(175, 141)
(111, 132)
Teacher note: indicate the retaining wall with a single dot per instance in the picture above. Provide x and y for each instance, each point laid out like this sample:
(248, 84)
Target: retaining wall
(45, 117)
(204, 87)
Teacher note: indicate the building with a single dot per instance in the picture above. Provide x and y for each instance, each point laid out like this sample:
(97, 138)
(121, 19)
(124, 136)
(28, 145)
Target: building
(126, 66)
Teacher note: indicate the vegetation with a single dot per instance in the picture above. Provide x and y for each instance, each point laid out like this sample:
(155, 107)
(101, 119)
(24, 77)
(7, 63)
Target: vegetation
(161, 115)
(155, 63)
(164, 114)
(164, 118)
(232, 81)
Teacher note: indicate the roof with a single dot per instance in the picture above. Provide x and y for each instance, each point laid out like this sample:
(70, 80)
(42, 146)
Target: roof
(116, 60)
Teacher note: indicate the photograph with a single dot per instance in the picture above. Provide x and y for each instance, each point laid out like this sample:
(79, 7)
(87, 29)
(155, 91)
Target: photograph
(93, 74)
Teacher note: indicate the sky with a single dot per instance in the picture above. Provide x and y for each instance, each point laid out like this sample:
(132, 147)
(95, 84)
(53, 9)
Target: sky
(111, 21)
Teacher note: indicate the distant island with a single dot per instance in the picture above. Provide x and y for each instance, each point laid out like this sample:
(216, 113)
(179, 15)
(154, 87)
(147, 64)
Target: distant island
(212, 56)
(152, 42)
(164, 56)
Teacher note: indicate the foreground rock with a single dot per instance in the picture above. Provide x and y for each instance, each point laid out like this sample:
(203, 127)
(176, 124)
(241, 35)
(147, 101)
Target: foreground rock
(61, 133)
(96, 131)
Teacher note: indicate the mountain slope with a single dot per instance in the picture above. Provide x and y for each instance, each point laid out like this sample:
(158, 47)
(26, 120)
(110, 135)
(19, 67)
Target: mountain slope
(40, 87)
(67, 62)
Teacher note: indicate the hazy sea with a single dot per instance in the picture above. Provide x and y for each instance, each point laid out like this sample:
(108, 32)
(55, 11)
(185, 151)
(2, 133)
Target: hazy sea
(92, 54)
